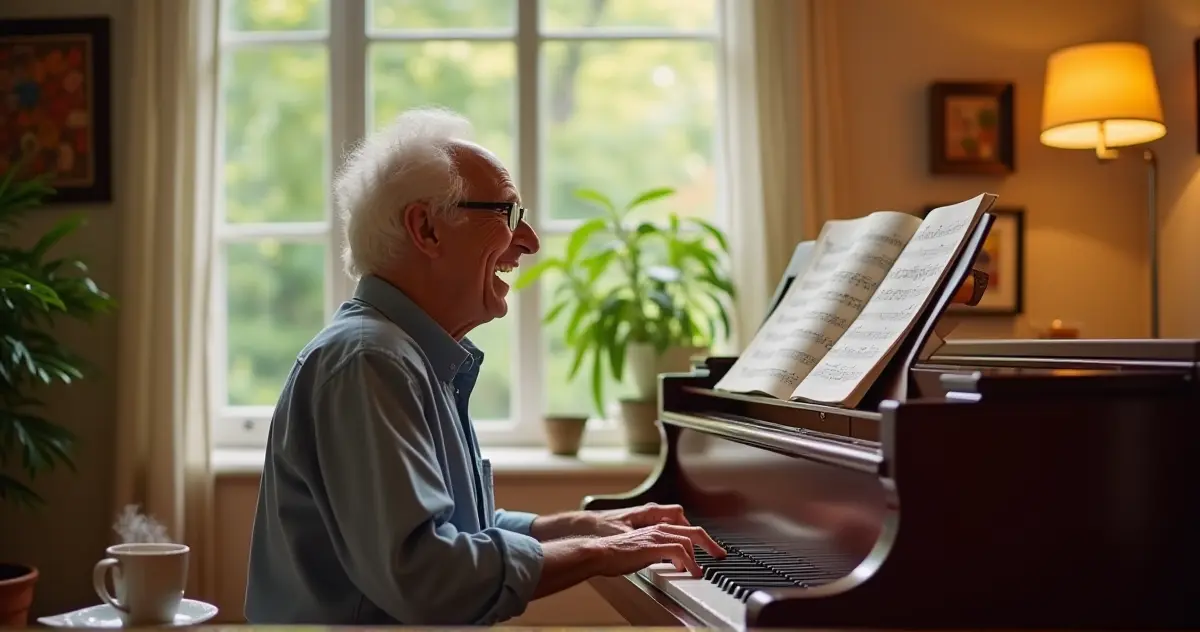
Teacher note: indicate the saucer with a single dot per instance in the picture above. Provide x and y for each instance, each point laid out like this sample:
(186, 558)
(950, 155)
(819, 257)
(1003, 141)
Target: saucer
(191, 612)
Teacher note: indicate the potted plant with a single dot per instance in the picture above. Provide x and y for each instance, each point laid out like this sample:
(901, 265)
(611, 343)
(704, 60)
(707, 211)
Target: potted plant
(34, 289)
(640, 295)
(564, 433)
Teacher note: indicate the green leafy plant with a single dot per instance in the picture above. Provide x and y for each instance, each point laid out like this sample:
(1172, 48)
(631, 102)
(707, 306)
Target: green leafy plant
(628, 280)
(35, 289)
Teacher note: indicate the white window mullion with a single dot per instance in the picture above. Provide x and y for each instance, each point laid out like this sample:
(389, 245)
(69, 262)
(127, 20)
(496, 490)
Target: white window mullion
(626, 34)
(527, 360)
(348, 73)
(478, 35)
(272, 38)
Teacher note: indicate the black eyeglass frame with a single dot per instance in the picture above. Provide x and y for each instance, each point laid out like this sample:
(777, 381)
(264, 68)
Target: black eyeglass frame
(513, 210)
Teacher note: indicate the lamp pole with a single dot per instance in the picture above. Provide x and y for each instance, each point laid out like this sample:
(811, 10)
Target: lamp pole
(1152, 205)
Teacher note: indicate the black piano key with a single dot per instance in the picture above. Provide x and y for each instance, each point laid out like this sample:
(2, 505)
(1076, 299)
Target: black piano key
(744, 591)
(727, 580)
(731, 581)
(768, 562)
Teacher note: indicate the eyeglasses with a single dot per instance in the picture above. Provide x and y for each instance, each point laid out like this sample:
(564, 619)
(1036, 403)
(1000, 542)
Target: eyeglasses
(515, 212)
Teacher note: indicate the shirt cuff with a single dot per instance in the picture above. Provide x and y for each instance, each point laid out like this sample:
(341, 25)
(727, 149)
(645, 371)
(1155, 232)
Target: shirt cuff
(523, 560)
(516, 521)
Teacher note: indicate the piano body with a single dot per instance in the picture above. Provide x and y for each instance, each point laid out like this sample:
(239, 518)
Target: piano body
(1017, 483)
(979, 484)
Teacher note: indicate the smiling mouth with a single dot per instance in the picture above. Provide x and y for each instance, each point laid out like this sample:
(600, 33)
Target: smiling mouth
(505, 271)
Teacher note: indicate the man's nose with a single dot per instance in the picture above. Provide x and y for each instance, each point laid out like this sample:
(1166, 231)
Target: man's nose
(526, 239)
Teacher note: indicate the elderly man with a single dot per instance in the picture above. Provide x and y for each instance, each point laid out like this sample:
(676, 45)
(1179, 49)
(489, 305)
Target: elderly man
(375, 506)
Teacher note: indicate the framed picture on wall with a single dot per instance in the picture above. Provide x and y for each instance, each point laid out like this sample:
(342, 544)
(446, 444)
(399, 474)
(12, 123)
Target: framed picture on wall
(55, 111)
(1196, 85)
(971, 128)
(1003, 259)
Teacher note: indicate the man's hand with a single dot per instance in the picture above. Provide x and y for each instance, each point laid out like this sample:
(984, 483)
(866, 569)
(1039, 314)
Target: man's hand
(636, 549)
(615, 521)
(572, 560)
(605, 523)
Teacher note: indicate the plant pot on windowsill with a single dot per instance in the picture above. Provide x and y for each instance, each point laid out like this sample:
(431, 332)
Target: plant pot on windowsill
(640, 419)
(16, 594)
(564, 433)
(646, 364)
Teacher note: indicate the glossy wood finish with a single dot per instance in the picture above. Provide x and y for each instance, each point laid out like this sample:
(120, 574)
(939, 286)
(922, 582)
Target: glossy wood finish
(334, 628)
(1043, 484)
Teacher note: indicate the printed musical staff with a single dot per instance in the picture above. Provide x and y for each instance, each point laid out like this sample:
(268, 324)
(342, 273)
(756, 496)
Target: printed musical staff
(853, 302)
(802, 357)
(790, 378)
(938, 231)
(856, 279)
(922, 272)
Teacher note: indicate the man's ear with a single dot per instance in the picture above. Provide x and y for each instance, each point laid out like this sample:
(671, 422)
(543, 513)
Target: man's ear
(419, 224)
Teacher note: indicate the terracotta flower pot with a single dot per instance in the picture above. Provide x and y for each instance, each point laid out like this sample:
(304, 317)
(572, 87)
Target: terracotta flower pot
(16, 594)
(564, 433)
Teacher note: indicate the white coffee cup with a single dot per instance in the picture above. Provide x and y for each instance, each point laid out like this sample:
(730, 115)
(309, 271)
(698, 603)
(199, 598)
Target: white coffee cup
(149, 581)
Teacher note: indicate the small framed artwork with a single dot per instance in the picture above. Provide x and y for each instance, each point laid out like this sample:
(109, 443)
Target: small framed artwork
(1003, 259)
(1196, 82)
(971, 128)
(55, 111)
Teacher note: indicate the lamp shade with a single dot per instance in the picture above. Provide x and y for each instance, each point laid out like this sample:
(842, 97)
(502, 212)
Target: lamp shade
(1099, 96)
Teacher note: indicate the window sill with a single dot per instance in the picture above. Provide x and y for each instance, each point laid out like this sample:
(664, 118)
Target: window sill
(524, 462)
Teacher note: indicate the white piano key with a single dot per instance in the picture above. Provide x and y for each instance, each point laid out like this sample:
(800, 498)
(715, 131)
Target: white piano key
(699, 596)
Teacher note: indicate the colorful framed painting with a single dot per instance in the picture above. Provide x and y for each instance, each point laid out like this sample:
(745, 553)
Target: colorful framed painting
(55, 110)
(971, 128)
(1003, 259)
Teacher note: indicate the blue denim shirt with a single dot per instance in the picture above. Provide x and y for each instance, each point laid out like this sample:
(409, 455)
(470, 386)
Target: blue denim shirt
(375, 506)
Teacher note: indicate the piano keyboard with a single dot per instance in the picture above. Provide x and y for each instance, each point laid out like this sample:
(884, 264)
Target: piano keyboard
(752, 564)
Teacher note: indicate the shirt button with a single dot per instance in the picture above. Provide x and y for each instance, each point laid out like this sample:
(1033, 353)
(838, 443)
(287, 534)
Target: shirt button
(453, 367)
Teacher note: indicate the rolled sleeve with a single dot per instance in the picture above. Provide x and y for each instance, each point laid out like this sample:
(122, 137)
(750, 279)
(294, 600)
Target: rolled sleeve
(516, 521)
(390, 508)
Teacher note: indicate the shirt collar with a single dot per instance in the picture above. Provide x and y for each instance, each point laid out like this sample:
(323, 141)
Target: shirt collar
(444, 352)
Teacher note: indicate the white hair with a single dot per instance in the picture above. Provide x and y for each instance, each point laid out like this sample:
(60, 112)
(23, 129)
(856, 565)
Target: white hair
(410, 160)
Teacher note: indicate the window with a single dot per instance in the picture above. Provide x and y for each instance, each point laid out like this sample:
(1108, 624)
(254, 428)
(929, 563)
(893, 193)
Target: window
(615, 95)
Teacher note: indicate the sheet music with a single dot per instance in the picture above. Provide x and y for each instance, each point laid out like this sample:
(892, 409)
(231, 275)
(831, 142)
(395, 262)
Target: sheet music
(801, 257)
(851, 258)
(901, 297)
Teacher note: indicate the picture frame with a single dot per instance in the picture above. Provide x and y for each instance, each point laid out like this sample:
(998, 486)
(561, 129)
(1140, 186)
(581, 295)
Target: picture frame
(971, 128)
(56, 112)
(1003, 258)
(1196, 86)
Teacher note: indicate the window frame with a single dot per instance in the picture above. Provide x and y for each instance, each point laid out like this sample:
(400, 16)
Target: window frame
(347, 48)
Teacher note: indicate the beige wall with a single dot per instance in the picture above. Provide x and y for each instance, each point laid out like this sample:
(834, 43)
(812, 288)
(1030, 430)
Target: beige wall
(1085, 221)
(1170, 27)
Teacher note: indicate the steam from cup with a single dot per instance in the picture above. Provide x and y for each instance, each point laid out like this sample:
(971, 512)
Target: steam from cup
(133, 526)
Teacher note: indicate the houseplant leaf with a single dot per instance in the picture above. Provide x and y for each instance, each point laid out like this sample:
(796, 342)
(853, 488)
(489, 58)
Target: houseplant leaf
(36, 291)
(627, 280)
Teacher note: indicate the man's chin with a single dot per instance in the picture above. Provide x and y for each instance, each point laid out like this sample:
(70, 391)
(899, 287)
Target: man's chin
(497, 307)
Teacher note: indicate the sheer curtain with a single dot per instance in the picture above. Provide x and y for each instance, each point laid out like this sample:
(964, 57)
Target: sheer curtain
(784, 148)
(163, 409)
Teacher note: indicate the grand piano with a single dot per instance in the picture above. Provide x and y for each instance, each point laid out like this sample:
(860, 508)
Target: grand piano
(984, 484)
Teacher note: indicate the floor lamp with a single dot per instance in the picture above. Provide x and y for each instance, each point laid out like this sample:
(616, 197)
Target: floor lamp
(1100, 97)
